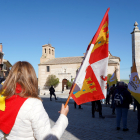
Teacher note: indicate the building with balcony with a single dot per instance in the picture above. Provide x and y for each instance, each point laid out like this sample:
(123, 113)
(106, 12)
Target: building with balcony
(5, 65)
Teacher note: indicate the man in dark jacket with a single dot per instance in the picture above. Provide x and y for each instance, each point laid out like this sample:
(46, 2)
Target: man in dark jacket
(52, 90)
(122, 108)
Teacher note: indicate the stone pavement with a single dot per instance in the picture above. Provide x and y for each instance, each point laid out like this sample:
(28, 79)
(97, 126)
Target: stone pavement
(83, 127)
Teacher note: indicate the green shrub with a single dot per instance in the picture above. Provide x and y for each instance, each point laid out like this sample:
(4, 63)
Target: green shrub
(52, 80)
(69, 83)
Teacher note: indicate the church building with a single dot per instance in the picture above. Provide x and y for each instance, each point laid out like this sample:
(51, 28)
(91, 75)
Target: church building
(65, 68)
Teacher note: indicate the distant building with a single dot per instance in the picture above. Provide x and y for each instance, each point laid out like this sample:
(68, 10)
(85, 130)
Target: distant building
(5, 65)
(65, 68)
(114, 63)
(1, 59)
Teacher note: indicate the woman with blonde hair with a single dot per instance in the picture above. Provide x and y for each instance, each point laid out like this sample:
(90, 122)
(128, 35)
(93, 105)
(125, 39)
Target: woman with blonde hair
(22, 115)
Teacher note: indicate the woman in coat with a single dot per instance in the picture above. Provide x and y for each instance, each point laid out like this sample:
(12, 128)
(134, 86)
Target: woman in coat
(22, 115)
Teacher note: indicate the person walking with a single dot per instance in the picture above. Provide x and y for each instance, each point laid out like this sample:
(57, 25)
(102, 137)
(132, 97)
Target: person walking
(24, 117)
(98, 102)
(52, 90)
(122, 99)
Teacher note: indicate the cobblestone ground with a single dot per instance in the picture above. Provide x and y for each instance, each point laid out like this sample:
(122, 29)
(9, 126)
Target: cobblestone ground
(83, 127)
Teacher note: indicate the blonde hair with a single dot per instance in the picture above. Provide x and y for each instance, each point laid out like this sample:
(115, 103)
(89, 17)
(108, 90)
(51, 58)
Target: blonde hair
(24, 74)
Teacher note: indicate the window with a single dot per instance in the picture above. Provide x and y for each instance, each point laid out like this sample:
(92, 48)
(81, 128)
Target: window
(45, 50)
(52, 52)
(48, 68)
(49, 51)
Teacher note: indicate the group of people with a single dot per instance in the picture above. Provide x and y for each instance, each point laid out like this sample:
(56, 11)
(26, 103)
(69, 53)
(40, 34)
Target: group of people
(121, 100)
(20, 103)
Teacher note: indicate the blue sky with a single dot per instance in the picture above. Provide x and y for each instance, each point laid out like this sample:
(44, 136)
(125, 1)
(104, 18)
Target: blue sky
(68, 25)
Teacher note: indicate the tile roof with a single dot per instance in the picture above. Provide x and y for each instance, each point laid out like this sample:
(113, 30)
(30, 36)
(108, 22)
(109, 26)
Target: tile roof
(68, 60)
(112, 62)
(114, 57)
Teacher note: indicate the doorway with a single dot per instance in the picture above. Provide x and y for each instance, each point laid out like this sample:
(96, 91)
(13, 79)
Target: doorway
(64, 84)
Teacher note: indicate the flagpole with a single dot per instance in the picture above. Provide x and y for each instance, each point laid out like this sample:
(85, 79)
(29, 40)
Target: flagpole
(70, 95)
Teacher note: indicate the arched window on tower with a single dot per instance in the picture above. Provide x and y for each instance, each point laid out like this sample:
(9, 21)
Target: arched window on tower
(52, 52)
(45, 50)
(49, 51)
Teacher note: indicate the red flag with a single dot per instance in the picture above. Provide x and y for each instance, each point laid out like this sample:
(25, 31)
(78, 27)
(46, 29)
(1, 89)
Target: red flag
(91, 81)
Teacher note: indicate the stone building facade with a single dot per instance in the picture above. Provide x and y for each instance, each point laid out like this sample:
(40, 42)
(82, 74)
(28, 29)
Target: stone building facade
(6, 68)
(5, 65)
(65, 68)
(136, 47)
(114, 64)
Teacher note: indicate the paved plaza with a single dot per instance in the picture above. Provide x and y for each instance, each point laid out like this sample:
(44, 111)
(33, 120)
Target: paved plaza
(83, 127)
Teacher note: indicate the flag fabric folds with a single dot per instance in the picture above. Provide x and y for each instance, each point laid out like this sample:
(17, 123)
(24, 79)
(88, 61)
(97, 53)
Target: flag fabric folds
(91, 81)
(113, 79)
(134, 84)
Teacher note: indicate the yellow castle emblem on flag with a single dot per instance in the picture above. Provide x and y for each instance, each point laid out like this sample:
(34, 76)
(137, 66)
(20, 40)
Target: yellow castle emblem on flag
(88, 86)
(103, 37)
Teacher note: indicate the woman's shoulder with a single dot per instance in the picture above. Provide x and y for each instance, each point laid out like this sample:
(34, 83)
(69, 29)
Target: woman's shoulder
(33, 101)
(30, 104)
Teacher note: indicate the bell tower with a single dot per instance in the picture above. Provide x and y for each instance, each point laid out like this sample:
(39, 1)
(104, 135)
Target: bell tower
(136, 47)
(48, 53)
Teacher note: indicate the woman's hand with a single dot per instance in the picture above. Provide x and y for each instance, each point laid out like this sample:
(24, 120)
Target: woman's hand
(64, 110)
